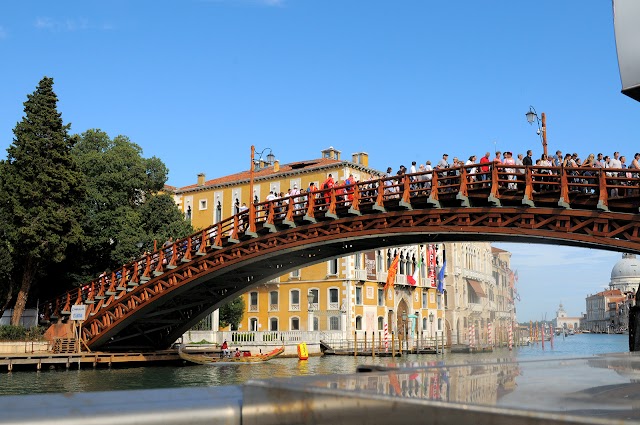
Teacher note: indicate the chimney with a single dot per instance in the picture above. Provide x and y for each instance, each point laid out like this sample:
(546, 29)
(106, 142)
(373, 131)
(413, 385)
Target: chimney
(276, 166)
(361, 158)
(201, 179)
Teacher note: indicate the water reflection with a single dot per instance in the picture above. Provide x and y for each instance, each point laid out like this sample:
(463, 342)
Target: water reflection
(478, 378)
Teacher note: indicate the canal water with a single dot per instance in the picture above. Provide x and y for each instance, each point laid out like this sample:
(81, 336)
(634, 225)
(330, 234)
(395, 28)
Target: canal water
(103, 379)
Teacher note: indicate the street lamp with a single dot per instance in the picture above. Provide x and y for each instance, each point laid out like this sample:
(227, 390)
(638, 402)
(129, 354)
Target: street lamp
(406, 334)
(431, 326)
(532, 116)
(252, 207)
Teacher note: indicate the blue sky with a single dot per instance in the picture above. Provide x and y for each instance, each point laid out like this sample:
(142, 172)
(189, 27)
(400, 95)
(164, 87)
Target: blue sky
(196, 83)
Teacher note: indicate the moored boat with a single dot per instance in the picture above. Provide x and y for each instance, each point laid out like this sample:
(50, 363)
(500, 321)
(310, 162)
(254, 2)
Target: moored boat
(238, 357)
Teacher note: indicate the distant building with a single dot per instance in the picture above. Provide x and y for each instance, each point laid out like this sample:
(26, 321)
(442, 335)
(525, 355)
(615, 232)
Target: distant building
(625, 275)
(565, 322)
(602, 310)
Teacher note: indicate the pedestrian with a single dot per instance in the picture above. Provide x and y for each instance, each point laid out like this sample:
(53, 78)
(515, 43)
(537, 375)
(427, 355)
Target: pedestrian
(225, 349)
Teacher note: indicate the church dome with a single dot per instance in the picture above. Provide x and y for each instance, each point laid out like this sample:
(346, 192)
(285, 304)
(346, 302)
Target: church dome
(627, 267)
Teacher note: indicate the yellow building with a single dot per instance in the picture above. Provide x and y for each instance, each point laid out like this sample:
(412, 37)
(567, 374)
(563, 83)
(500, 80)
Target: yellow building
(339, 297)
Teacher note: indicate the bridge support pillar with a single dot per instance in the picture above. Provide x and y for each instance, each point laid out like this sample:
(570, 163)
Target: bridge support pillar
(494, 200)
(634, 328)
(528, 202)
(464, 200)
(564, 204)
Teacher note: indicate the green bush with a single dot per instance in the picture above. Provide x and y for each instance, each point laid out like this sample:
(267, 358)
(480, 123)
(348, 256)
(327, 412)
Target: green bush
(20, 333)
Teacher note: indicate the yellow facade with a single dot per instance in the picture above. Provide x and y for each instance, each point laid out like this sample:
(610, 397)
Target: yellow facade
(345, 294)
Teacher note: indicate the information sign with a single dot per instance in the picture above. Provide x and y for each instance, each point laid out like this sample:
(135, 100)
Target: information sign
(78, 312)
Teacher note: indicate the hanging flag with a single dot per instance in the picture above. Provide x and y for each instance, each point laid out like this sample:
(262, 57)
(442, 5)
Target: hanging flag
(441, 277)
(391, 273)
(413, 279)
(431, 265)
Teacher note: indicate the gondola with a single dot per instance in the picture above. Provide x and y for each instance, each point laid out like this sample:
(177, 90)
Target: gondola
(245, 357)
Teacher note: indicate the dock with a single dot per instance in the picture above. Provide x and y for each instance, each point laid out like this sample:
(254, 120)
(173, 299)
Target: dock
(46, 360)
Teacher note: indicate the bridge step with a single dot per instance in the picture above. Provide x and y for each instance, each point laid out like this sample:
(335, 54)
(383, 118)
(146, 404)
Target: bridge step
(65, 345)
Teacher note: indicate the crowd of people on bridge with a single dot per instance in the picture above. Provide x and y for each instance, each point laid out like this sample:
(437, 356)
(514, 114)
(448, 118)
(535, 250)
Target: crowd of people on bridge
(477, 170)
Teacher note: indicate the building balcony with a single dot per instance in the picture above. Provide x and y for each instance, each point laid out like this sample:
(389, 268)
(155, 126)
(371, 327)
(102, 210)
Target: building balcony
(294, 307)
(360, 275)
(253, 307)
(476, 308)
(473, 274)
(273, 307)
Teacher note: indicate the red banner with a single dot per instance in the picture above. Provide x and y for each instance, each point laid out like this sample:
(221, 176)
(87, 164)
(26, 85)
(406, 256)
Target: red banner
(431, 265)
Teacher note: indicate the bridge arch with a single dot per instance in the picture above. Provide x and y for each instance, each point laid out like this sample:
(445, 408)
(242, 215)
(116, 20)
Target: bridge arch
(148, 304)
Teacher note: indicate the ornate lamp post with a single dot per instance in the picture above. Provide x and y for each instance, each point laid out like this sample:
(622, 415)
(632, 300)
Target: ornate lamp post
(431, 321)
(532, 116)
(252, 207)
(406, 333)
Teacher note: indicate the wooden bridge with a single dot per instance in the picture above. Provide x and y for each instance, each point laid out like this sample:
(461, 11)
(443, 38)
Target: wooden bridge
(151, 302)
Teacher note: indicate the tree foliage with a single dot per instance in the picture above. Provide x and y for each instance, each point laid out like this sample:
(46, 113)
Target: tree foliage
(74, 206)
(231, 313)
(41, 190)
(124, 205)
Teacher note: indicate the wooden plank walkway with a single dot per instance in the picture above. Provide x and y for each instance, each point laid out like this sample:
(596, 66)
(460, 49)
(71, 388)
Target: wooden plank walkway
(39, 360)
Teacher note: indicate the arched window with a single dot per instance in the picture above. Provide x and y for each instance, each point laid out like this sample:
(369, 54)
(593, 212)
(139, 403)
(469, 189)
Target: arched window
(294, 299)
(313, 298)
(295, 324)
(273, 301)
(424, 323)
(358, 323)
(218, 212)
(333, 267)
(253, 301)
(402, 263)
(253, 324)
(316, 324)
(334, 299)
(380, 323)
(273, 324)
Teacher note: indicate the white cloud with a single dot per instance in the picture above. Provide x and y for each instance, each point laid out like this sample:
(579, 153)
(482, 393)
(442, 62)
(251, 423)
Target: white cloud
(68, 25)
(268, 3)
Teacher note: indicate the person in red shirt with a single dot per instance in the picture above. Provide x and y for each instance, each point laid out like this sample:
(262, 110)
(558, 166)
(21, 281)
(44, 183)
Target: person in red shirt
(328, 184)
(484, 167)
(349, 183)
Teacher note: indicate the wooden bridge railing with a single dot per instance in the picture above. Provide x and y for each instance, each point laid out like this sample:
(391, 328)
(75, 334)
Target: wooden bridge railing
(490, 181)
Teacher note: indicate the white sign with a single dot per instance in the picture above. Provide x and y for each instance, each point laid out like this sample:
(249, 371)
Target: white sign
(78, 312)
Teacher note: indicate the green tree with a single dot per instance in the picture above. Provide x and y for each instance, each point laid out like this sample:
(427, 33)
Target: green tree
(122, 207)
(41, 190)
(231, 313)
(7, 285)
